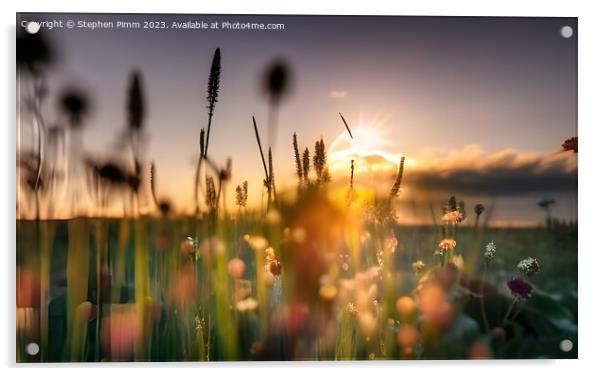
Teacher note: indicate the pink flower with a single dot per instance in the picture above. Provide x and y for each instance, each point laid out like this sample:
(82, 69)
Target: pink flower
(453, 217)
(447, 244)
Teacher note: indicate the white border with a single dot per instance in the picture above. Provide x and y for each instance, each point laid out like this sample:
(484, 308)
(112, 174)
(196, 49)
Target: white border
(590, 201)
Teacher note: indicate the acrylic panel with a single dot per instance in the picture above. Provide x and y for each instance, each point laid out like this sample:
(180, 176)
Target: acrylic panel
(276, 187)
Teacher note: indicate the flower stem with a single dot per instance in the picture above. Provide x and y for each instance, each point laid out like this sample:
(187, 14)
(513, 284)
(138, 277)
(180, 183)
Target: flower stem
(482, 302)
(507, 315)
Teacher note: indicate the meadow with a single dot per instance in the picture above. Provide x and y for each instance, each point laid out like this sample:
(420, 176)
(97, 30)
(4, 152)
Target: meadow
(312, 273)
(203, 299)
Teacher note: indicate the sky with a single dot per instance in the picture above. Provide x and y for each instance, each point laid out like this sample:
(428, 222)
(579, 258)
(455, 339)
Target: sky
(478, 106)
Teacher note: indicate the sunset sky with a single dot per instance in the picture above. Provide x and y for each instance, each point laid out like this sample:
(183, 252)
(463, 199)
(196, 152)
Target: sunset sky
(479, 106)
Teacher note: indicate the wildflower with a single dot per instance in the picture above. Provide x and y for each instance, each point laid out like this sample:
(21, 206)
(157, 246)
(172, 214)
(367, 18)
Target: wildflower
(520, 288)
(275, 267)
(529, 266)
(408, 336)
(434, 305)
(479, 350)
(418, 266)
(273, 217)
(453, 217)
(391, 243)
(367, 323)
(188, 246)
(236, 268)
(199, 322)
(352, 308)
(299, 235)
(490, 251)
(328, 292)
(118, 332)
(406, 307)
(212, 245)
(447, 244)
(86, 311)
(270, 255)
(479, 209)
(247, 305)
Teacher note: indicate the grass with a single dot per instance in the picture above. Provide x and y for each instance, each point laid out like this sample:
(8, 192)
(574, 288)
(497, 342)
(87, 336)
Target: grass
(172, 321)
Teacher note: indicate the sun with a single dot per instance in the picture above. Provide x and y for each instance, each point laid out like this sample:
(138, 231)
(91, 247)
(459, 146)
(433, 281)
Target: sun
(368, 148)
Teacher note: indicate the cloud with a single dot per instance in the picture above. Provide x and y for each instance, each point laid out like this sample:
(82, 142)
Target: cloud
(469, 171)
(506, 173)
(335, 93)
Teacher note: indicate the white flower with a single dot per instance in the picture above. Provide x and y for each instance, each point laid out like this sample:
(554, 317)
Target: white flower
(490, 250)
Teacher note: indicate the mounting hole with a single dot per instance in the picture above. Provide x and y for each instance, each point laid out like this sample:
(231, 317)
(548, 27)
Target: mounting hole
(32, 348)
(32, 27)
(566, 345)
(566, 31)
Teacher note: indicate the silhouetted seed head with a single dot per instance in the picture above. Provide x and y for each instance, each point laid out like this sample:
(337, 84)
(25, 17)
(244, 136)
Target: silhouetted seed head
(546, 203)
(479, 209)
(277, 80)
(397, 184)
(306, 165)
(112, 173)
(319, 159)
(212, 91)
(202, 142)
(570, 144)
(133, 181)
(33, 51)
(135, 102)
(164, 207)
(298, 166)
(74, 103)
(272, 178)
(226, 173)
(242, 194)
(211, 195)
(213, 84)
